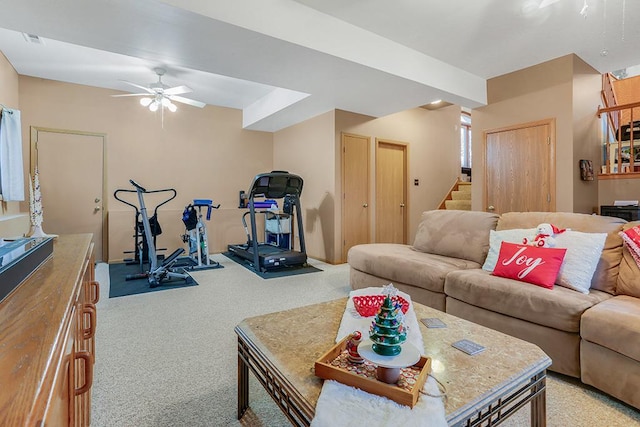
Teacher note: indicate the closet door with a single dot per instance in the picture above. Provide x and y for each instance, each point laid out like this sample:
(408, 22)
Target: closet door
(355, 192)
(71, 170)
(391, 192)
(520, 168)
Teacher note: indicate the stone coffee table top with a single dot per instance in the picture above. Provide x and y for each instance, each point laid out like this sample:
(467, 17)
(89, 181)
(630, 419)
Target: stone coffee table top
(293, 340)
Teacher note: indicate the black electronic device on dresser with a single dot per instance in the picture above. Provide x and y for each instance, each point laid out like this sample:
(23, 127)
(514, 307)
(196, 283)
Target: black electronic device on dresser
(19, 258)
(629, 213)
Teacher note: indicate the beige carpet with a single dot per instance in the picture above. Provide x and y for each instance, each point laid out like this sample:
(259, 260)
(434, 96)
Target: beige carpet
(169, 358)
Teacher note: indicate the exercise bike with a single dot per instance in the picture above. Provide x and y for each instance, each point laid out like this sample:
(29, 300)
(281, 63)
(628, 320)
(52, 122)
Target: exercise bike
(158, 272)
(196, 234)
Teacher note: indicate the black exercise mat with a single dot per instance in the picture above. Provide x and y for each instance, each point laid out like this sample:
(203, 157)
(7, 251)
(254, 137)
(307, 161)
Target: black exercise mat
(272, 274)
(120, 287)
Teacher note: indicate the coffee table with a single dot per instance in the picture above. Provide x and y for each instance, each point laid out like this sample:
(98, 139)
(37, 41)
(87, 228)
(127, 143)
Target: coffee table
(281, 348)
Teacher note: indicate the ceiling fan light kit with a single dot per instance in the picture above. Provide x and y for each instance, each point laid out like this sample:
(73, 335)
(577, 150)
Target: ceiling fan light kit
(158, 95)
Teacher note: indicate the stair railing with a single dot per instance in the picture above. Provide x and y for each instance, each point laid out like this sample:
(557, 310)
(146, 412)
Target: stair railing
(454, 187)
(621, 154)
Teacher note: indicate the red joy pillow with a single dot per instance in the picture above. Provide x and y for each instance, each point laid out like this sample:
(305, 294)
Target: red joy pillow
(531, 264)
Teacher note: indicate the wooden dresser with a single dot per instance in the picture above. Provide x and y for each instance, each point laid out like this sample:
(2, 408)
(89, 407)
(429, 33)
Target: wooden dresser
(47, 328)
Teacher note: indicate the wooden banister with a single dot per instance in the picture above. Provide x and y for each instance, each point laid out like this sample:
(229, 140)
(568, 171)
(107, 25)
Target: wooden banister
(614, 115)
(454, 187)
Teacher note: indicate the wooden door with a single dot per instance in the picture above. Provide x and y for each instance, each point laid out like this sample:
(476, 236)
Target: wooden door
(520, 168)
(355, 192)
(71, 174)
(391, 192)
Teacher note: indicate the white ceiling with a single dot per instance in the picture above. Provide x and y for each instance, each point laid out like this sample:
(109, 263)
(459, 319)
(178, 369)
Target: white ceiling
(284, 61)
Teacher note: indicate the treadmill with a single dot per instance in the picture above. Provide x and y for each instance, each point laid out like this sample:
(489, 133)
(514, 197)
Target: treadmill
(265, 256)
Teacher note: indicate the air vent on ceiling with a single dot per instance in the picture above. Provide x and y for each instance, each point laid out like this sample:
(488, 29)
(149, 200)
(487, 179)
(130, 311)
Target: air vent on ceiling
(32, 38)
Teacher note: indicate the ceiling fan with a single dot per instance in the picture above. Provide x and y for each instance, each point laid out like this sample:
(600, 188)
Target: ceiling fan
(159, 95)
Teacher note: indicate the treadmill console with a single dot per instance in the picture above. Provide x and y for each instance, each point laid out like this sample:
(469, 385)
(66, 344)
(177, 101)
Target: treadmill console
(276, 185)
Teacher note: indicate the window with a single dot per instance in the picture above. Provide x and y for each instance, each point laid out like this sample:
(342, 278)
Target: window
(465, 140)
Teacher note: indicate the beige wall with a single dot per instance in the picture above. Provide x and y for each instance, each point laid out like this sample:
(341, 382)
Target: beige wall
(535, 93)
(610, 190)
(314, 147)
(14, 220)
(308, 149)
(202, 153)
(205, 153)
(434, 153)
(587, 85)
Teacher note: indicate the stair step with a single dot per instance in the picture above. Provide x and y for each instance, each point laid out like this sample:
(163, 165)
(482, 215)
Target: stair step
(461, 205)
(461, 195)
(464, 186)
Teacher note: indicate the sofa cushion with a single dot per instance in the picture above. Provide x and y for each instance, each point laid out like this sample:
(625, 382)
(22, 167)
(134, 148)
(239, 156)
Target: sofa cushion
(606, 274)
(583, 255)
(496, 238)
(402, 263)
(629, 276)
(459, 234)
(620, 314)
(559, 308)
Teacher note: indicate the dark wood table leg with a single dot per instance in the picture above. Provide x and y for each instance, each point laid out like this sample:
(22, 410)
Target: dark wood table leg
(539, 402)
(243, 380)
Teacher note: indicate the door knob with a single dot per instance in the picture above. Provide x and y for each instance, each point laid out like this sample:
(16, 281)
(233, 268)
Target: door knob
(96, 209)
(97, 200)
(491, 208)
(402, 205)
(366, 205)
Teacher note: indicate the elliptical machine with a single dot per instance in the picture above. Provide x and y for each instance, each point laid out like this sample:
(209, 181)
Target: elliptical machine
(157, 273)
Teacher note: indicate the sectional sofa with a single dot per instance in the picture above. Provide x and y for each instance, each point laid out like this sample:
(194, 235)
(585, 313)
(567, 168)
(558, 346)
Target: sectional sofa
(588, 323)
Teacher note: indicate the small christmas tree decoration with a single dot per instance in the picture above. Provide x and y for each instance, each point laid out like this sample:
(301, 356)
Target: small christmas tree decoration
(387, 331)
(352, 348)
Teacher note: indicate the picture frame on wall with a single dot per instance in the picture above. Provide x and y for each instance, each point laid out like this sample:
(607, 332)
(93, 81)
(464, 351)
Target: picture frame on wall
(586, 170)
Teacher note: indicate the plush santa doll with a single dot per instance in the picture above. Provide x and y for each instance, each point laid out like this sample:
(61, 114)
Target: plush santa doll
(544, 237)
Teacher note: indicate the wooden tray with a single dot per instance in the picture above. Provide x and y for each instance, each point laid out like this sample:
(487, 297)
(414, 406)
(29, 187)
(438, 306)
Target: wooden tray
(324, 369)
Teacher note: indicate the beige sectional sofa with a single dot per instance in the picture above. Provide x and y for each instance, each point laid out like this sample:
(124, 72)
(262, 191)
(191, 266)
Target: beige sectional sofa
(594, 336)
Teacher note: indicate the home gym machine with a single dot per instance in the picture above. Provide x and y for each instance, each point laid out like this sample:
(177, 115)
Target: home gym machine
(270, 256)
(140, 246)
(158, 272)
(196, 236)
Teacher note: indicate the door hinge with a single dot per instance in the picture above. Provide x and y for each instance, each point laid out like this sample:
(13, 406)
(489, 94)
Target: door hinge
(548, 140)
(548, 198)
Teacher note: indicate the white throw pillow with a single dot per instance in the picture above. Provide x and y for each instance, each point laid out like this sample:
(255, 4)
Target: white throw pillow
(581, 260)
(514, 235)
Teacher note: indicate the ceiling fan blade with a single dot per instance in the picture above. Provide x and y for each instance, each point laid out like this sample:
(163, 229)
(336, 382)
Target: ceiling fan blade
(131, 94)
(178, 90)
(139, 86)
(187, 101)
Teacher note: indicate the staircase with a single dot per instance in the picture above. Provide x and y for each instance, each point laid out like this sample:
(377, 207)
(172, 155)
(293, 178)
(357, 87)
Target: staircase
(621, 99)
(459, 197)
